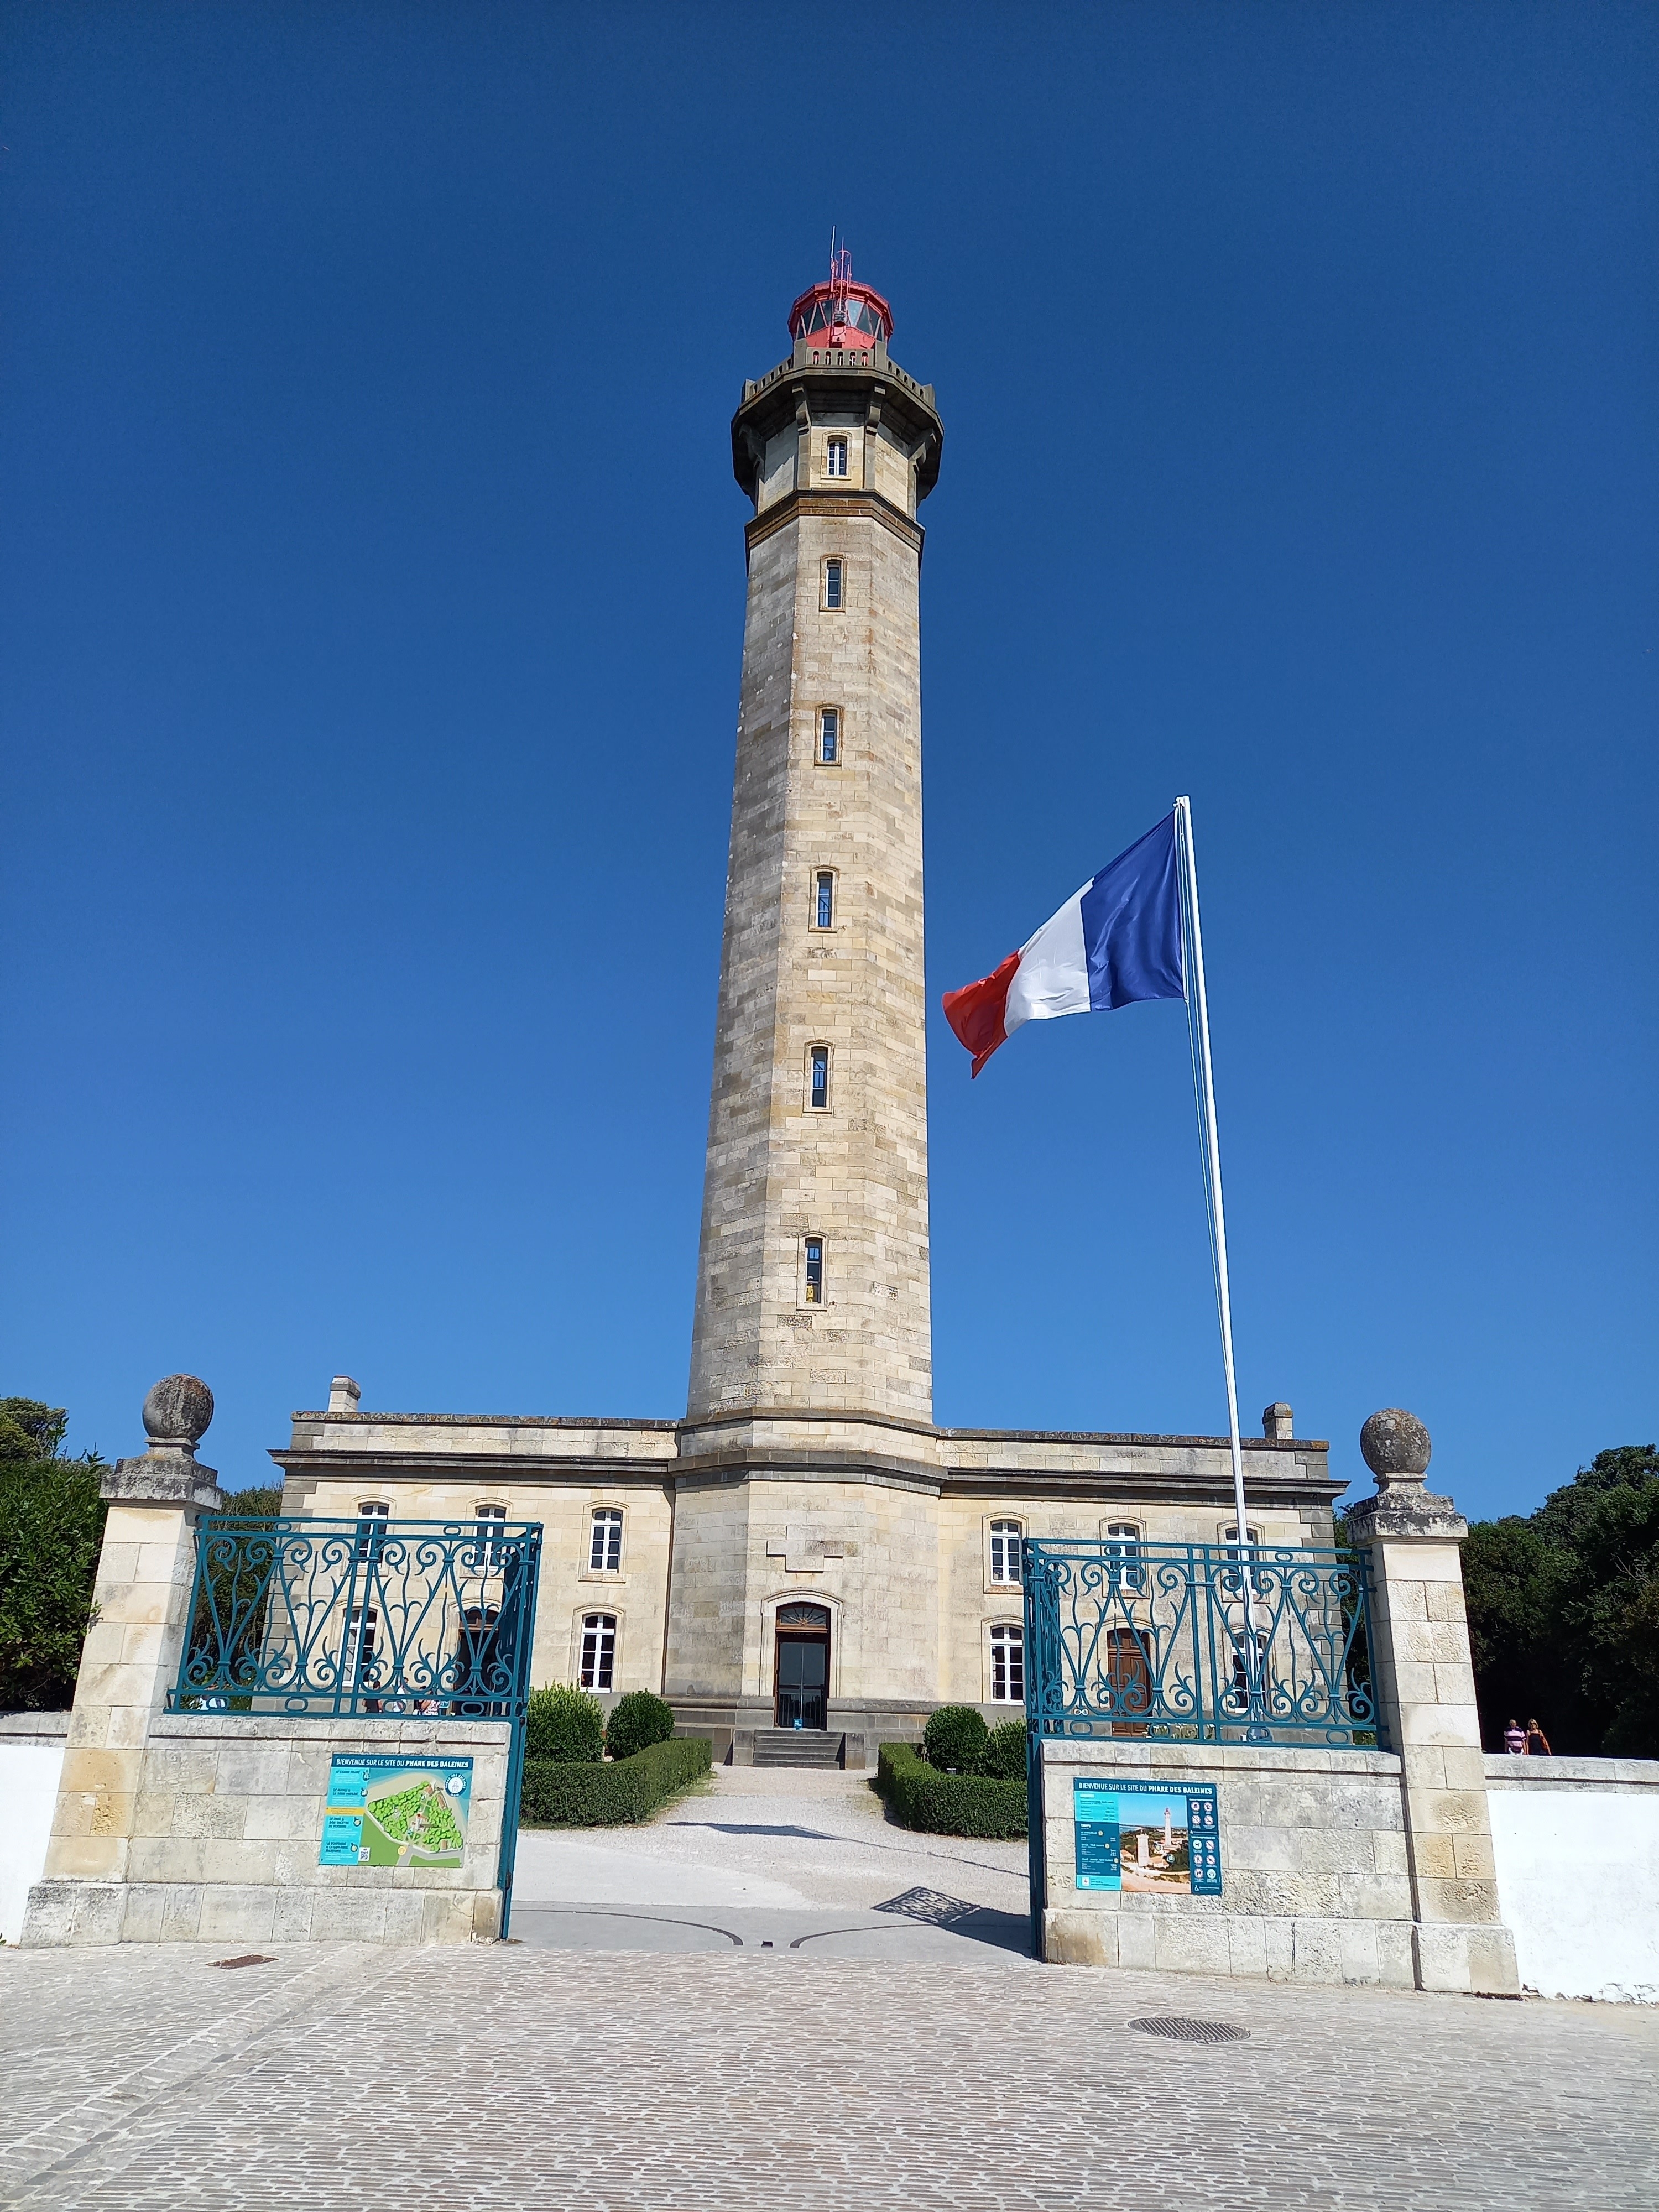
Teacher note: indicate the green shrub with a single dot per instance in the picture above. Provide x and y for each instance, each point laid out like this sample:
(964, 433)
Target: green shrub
(1003, 1758)
(565, 1724)
(919, 1796)
(953, 1738)
(560, 1794)
(638, 1720)
(52, 1527)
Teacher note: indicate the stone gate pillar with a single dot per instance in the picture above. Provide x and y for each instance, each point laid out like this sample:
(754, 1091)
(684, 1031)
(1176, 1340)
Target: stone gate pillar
(1423, 1679)
(131, 1657)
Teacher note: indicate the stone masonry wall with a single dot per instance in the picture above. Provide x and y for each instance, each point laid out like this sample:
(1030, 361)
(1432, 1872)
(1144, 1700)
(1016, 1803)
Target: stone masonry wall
(855, 1174)
(228, 1828)
(1315, 1882)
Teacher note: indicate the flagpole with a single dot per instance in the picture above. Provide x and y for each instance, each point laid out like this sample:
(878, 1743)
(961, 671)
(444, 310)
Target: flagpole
(1198, 1017)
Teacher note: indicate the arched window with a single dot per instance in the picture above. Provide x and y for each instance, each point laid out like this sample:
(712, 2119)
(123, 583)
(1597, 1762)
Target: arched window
(599, 1660)
(1006, 1546)
(817, 1077)
(813, 1288)
(373, 1514)
(836, 463)
(1007, 1665)
(490, 1518)
(823, 899)
(605, 1542)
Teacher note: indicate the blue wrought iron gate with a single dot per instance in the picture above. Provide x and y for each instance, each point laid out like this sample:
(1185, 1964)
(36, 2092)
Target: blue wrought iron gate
(368, 1617)
(1192, 1643)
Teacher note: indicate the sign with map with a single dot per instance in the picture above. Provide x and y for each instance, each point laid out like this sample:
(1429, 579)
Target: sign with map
(396, 1812)
(1159, 1835)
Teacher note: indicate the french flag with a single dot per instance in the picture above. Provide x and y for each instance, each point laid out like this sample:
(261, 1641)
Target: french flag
(1116, 940)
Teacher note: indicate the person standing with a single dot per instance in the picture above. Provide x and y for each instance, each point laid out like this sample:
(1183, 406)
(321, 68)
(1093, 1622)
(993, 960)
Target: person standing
(1515, 1740)
(1538, 1744)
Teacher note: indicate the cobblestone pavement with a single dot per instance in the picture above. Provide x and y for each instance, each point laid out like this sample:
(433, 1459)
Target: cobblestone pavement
(344, 2077)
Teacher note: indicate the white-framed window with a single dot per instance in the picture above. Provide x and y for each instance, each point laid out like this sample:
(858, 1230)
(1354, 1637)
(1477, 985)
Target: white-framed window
(812, 1280)
(598, 1659)
(1007, 1549)
(824, 898)
(1007, 1664)
(605, 1540)
(835, 584)
(1230, 1534)
(373, 1514)
(830, 737)
(358, 1664)
(818, 1078)
(836, 457)
(1123, 1548)
(489, 1517)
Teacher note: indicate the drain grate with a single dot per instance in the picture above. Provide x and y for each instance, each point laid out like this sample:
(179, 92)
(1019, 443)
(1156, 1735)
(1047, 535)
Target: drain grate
(248, 1959)
(1191, 2031)
(931, 1905)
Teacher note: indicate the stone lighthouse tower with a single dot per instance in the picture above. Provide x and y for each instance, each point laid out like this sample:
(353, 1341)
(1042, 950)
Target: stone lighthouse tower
(796, 1566)
(812, 1289)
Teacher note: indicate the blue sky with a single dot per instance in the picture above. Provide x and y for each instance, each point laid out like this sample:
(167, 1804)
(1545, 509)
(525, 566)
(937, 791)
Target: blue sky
(372, 604)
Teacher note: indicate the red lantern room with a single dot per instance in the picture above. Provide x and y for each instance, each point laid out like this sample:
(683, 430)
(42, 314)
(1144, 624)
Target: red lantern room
(841, 316)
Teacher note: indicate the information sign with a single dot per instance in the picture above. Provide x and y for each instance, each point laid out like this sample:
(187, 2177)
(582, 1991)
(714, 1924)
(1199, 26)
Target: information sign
(396, 1812)
(1147, 1835)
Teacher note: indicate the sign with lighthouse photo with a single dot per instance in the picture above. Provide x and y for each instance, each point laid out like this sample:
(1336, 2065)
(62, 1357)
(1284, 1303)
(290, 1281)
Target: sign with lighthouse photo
(1156, 1835)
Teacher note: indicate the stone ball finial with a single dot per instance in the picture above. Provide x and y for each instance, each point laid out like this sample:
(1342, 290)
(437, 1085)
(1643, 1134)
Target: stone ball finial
(176, 1411)
(1396, 1444)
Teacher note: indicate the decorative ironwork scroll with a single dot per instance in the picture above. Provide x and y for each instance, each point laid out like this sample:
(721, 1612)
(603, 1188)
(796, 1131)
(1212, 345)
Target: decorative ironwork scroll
(361, 1617)
(1197, 1643)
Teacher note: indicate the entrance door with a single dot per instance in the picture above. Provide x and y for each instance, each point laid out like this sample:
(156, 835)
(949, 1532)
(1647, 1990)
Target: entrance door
(1130, 1679)
(802, 1666)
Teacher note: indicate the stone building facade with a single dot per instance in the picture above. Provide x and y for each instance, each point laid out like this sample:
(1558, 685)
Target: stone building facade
(806, 1551)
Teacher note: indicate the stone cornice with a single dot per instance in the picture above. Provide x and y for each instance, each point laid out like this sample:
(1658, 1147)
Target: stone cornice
(840, 506)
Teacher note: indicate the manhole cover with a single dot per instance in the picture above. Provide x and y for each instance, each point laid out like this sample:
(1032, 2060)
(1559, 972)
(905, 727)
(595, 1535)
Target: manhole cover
(1191, 2031)
(248, 1959)
(930, 1904)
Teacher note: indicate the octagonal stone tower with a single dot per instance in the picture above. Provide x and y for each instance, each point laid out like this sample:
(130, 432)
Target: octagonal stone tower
(812, 1289)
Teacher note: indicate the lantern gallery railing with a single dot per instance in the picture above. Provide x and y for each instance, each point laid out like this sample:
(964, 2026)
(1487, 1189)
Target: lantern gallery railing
(1200, 1643)
(361, 1617)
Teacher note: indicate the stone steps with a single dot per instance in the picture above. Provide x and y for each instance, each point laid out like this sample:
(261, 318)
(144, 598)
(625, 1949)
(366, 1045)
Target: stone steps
(797, 1746)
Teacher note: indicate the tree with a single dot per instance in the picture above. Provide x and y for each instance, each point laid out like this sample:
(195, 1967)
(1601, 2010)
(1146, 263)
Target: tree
(1564, 1610)
(51, 1525)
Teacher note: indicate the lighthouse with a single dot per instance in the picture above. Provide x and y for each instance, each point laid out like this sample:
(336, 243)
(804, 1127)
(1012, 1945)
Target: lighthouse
(812, 1278)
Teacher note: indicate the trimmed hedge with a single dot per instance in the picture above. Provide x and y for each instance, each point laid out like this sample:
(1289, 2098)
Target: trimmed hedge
(561, 1794)
(564, 1723)
(921, 1797)
(953, 1738)
(638, 1720)
(1003, 1755)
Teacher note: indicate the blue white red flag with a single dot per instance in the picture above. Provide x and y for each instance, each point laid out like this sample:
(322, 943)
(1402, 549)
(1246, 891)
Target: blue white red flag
(1116, 940)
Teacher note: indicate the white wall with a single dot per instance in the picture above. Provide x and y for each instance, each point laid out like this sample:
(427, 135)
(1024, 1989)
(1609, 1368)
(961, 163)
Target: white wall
(29, 1768)
(1578, 1884)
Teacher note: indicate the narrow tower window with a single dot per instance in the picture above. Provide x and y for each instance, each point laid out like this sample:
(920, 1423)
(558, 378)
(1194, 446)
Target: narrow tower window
(818, 1087)
(605, 1551)
(830, 735)
(814, 1271)
(825, 905)
(837, 465)
(832, 581)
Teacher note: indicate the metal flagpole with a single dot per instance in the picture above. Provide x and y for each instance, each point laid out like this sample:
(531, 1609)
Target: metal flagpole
(1198, 1018)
